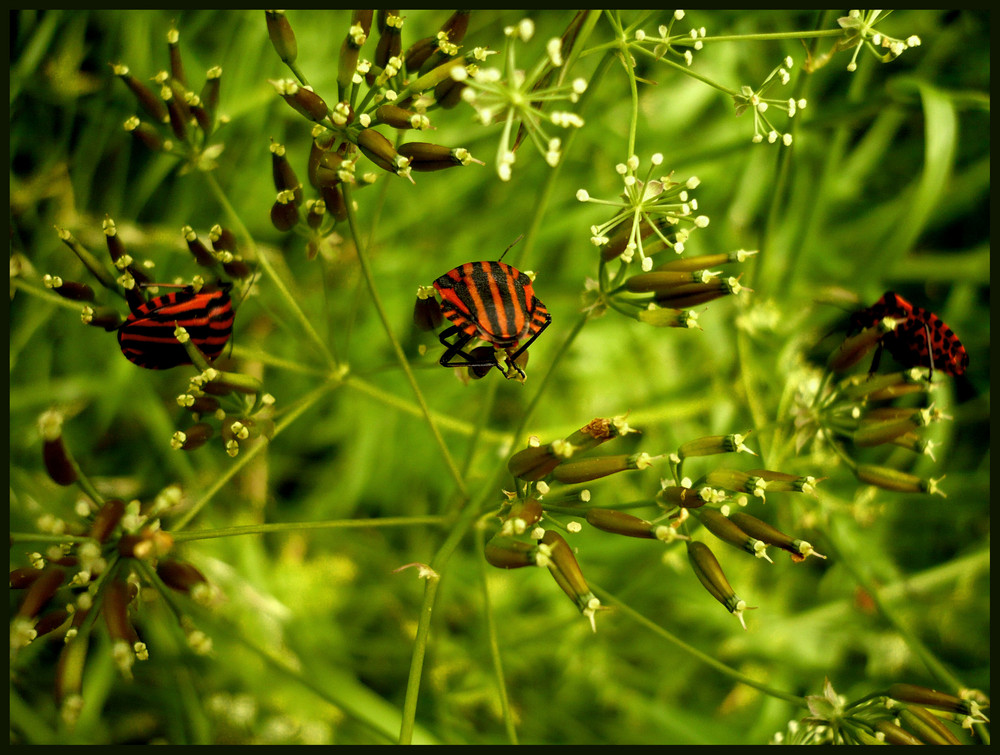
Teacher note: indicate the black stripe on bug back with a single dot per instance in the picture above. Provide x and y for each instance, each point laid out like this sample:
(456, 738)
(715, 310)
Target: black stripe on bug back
(147, 336)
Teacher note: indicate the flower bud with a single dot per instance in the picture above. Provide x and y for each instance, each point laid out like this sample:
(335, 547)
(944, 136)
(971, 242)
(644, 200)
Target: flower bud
(564, 568)
(602, 466)
(709, 573)
(893, 479)
(281, 35)
(728, 531)
(926, 726)
(179, 575)
(505, 552)
(620, 523)
(108, 517)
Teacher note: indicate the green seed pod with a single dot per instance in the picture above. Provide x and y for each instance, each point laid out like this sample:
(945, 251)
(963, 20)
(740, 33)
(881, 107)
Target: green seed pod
(390, 43)
(702, 262)
(23, 577)
(426, 310)
(282, 173)
(534, 462)
(114, 607)
(148, 136)
(595, 432)
(710, 574)
(194, 437)
(198, 250)
(893, 479)
(602, 466)
(173, 49)
(895, 735)
(714, 444)
(663, 282)
(281, 35)
(148, 101)
(853, 348)
(419, 52)
(729, 532)
(210, 97)
(284, 213)
(333, 198)
(41, 591)
(108, 517)
(69, 670)
(689, 295)
(566, 571)
(74, 291)
(505, 552)
(378, 149)
(448, 93)
(177, 109)
(875, 432)
(302, 99)
(223, 240)
(51, 621)
(928, 698)
(101, 317)
(179, 575)
(54, 452)
(665, 317)
(685, 498)
(620, 523)
(926, 726)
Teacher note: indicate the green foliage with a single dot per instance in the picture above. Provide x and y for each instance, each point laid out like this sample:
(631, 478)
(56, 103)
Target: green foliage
(372, 457)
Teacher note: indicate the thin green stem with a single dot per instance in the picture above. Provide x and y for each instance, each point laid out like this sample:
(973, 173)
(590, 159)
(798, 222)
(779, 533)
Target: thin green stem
(708, 660)
(404, 363)
(491, 632)
(261, 257)
(263, 529)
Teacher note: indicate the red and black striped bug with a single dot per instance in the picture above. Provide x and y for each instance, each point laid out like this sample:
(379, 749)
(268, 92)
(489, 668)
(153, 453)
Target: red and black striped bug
(492, 302)
(920, 338)
(147, 335)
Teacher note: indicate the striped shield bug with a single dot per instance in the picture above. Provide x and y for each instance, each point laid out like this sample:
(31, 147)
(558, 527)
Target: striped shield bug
(920, 338)
(491, 302)
(147, 335)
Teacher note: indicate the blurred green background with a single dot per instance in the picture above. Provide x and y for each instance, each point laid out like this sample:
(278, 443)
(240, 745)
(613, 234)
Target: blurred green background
(886, 186)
